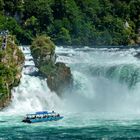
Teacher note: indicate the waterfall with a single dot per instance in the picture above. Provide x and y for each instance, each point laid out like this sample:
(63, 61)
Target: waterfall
(105, 80)
(32, 94)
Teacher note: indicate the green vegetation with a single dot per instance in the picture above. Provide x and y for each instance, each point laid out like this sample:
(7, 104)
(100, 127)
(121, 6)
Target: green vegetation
(42, 50)
(58, 75)
(72, 22)
(11, 61)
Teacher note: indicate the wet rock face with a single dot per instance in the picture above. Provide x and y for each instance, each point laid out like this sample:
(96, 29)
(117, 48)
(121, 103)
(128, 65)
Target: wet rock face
(59, 77)
(61, 80)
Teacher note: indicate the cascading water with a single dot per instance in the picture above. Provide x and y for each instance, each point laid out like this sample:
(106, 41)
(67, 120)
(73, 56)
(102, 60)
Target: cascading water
(105, 80)
(104, 102)
(33, 93)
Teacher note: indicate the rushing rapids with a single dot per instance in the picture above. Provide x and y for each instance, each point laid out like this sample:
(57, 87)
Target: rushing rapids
(104, 102)
(104, 80)
(33, 93)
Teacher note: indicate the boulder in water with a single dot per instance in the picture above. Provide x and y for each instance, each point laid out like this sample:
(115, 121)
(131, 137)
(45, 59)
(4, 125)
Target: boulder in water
(59, 77)
(60, 80)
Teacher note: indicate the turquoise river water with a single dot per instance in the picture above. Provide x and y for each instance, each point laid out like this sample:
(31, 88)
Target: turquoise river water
(104, 103)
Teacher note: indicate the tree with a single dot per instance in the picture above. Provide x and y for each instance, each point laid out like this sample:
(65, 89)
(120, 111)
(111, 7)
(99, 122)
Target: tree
(1, 6)
(32, 25)
(41, 10)
(64, 36)
(135, 11)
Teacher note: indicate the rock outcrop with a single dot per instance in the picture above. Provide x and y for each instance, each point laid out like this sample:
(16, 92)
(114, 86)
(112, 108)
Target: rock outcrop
(59, 77)
(11, 62)
(60, 80)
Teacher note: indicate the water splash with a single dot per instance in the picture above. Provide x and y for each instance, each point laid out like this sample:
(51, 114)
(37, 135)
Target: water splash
(102, 78)
(32, 95)
(105, 80)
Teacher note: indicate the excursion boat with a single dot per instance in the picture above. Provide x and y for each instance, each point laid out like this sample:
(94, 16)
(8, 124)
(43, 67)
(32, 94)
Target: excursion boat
(43, 116)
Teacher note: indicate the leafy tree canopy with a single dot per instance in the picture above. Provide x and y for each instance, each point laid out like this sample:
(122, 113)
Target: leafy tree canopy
(71, 22)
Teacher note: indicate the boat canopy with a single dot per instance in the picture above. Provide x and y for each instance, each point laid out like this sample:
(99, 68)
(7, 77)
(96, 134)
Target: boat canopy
(41, 113)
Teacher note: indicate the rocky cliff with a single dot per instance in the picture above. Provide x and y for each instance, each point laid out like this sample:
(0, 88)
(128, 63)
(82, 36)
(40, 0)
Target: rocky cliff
(59, 77)
(11, 62)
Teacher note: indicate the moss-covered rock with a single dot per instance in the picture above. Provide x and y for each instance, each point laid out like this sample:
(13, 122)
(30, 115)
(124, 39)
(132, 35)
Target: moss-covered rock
(59, 77)
(11, 62)
(43, 50)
